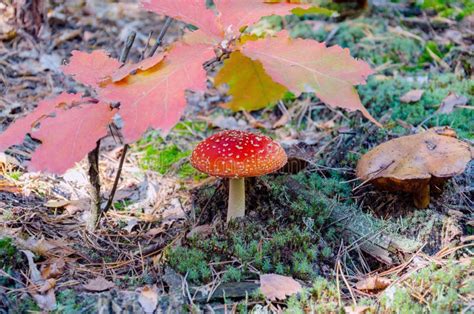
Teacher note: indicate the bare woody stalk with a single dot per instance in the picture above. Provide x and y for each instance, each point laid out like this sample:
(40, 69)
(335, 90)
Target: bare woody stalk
(96, 211)
(93, 158)
(158, 43)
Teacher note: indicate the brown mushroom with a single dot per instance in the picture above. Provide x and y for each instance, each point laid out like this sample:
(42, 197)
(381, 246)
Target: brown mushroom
(237, 155)
(416, 164)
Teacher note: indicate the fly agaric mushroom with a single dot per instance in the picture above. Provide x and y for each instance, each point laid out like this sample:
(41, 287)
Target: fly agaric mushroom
(236, 155)
(416, 163)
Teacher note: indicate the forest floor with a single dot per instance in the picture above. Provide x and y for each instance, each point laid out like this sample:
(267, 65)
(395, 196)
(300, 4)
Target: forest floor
(165, 240)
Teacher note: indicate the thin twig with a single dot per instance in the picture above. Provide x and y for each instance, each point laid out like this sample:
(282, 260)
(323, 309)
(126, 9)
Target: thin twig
(161, 35)
(117, 179)
(127, 47)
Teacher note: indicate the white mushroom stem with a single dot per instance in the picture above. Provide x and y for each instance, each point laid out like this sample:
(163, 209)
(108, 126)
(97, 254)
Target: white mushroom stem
(236, 207)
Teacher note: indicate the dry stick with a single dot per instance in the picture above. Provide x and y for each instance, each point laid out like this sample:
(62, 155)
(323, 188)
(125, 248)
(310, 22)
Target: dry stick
(94, 188)
(93, 158)
(159, 41)
(161, 35)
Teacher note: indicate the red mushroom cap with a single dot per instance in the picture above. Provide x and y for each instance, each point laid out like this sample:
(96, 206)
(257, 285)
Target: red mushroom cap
(238, 154)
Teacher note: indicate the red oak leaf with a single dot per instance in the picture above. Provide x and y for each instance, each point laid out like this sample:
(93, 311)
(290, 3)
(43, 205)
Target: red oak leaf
(15, 133)
(237, 14)
(155, 98)
(192, 12)
(68, 127)
(309, 66)
(91, 68)
(68, 137)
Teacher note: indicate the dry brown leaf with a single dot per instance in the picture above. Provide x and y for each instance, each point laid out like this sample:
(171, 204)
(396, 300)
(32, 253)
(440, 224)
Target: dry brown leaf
(360, 309)
(42, 291)
(6, 186)
(452, 101)
(148, 298)
(46, 286)
(203, 231)
(53, 269)
(373, 284)
(155, 231)
(279, 287)
(98, 284)
(412, 96)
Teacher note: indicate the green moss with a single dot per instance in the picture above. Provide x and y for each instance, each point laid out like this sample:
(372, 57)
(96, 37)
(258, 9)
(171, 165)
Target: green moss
(382, 96)
(69, 301)
(192, 262)
(10, 260)
(322, 297)
(15, 175)
(377, 48)
(232, 274)
(444, 290)
(457, 9)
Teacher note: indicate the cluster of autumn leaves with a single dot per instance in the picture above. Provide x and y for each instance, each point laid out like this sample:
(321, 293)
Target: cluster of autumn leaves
(151, 93)
(257, 70)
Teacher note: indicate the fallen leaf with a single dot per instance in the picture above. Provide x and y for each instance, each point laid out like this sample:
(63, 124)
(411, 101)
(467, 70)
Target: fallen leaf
(452, 101)
(303, 65)
(202, 231)
(47, 285)
(148, 298)
(53, 269)
(373, 284)
(98, 284)
(35, 274)
(279, 287)
(155, 231)
(360, 309)
(412, 96)
(130, 225)
(6, 186)
(42, 290)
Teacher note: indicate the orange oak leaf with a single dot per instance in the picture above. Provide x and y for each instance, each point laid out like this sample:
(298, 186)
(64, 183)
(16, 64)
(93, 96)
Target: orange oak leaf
(91, 68)
(237, 14)
(192, 12)
(68, 137)
(130, 68)
(15, 133)
(309, 66)
(155, 98)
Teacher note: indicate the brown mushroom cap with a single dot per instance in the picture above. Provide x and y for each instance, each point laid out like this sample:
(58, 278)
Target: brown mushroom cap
(238, 154)
(411, 162)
